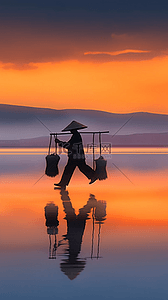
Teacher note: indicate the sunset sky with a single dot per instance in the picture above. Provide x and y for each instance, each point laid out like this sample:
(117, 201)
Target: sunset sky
(105, 55)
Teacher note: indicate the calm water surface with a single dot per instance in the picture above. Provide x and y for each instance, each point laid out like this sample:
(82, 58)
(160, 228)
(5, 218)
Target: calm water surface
(111, 238)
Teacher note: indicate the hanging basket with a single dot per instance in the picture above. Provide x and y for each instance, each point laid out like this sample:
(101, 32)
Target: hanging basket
(52, 161)
(101, 168)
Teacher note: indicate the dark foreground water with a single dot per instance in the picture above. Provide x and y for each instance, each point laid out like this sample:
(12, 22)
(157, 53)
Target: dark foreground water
(109, 240)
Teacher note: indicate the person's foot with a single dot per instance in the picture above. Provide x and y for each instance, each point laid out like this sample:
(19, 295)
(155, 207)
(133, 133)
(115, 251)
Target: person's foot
(93, 180)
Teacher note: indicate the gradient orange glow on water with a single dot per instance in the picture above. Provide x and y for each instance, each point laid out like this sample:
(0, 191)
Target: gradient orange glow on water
(132, 209)
(124, 201)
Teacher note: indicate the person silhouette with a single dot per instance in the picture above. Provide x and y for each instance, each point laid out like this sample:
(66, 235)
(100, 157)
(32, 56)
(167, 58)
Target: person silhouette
(76, 156)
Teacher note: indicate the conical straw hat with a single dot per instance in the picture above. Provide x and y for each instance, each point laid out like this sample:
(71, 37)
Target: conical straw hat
(74, 125)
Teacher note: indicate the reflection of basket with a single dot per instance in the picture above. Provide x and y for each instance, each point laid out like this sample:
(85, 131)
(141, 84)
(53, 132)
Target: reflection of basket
(51, 215)
(52, 165)
(100, 211)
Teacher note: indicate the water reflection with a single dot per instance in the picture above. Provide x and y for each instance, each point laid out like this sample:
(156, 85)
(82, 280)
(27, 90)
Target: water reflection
(72, 265)
(133, 241)
(51, 215)
(100, 216)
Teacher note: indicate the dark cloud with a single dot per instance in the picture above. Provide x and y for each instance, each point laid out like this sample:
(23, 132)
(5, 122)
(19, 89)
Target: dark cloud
(41, 31)
(10, 66)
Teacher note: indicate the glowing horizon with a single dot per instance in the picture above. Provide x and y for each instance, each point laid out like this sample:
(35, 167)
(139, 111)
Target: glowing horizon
(118, 87)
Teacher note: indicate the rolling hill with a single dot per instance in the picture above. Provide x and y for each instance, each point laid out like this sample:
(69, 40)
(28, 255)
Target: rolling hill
(21, 122)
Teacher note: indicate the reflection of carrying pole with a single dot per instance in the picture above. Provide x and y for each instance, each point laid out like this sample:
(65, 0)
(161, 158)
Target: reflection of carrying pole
(49, 246)
(93, 212)
(52, 251)
(98, 243)
(54, 248)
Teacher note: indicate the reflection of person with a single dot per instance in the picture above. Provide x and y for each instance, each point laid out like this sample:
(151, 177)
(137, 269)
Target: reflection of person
(76, 156)
(75, 230)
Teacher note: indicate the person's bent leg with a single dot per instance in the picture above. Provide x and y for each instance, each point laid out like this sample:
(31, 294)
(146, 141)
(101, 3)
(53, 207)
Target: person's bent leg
(86, 170)
(67, 174)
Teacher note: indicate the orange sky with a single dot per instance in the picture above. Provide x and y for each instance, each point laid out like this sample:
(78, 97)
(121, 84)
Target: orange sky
(104, 55)
(118, 86)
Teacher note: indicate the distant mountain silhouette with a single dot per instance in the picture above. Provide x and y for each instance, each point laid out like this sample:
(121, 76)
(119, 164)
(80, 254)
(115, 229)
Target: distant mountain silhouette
(20, 122)
(132, 140)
